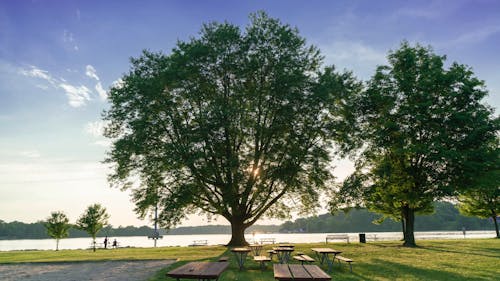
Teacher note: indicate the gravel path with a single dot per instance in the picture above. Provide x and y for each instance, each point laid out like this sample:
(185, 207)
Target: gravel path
(83, 271)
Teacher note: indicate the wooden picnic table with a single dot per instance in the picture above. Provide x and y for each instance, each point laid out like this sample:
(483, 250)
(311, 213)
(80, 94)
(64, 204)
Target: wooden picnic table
(241, 255)
(323, 255)
(297, 272)
(204, 271)
(283, 253)
(256, 248)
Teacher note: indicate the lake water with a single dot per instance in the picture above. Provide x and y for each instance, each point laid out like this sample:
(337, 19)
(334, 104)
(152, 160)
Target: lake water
(216, 239)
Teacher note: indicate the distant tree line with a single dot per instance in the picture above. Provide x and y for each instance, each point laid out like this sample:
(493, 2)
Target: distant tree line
(446, 217)
(37, 230)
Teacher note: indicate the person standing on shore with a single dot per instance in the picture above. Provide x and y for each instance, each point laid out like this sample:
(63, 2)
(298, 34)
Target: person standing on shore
(463, 230)
(106, 242)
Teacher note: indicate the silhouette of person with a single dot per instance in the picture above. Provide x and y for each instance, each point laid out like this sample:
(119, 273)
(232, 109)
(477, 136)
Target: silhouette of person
(115, 244)
(106, 242)
(463, 230)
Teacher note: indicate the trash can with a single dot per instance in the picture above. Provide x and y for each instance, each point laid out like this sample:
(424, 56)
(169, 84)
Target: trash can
(362, 238)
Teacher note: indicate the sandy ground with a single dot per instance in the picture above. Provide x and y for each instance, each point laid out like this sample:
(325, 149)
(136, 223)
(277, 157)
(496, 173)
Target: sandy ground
(83, 271)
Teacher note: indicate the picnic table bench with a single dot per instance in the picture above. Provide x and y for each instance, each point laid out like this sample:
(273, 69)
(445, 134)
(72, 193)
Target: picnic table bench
(297, 272)
(199, 270)
(199, 243)
(332, 237)
(347, 260)
(303, 258)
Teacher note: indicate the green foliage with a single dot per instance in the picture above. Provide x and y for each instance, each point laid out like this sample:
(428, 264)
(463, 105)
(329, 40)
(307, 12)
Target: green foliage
(232, 123)
(445, 217)
(93, 220)
(57, 226)
(423, 134)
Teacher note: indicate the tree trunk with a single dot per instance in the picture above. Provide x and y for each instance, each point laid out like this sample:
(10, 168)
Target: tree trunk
(409, 236)
(57, 244)
(237, 233)
(494, 216)
(403, 227)
(93, 243)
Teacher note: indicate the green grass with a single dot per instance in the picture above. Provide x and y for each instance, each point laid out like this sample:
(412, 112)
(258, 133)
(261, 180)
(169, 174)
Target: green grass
(433, 260)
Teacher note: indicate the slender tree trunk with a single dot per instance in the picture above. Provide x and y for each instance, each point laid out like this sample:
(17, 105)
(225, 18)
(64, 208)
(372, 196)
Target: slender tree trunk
(409, 217)
(403, 227)
(494, 216)
(237, 233)
(93, 243)
(57, 244)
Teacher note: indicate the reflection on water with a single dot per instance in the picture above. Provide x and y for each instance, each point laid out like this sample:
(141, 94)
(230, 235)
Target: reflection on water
(216, 239)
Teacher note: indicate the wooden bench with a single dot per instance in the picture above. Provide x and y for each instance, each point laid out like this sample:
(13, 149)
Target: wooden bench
(199, 243)
(262, 260)
(268, 240)
(332, 237)
(349, 261)
(303, 258)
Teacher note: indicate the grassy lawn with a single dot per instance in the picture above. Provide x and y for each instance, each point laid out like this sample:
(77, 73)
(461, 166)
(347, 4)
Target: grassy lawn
(432, 260)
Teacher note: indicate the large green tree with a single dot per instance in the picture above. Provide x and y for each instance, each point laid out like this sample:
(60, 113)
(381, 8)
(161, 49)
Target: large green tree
(235, 124)
(92, 221)
(57, 226)
(423, 132)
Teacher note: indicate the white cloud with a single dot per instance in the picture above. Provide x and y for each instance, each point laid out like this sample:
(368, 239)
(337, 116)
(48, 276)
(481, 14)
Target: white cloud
(36, 72)
(102, 93)
(78, 96)
(30, 154)
(118, 83)
(91, 72)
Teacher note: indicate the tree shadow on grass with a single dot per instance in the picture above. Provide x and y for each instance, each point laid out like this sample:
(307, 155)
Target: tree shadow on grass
(465, 252)
(382, 269)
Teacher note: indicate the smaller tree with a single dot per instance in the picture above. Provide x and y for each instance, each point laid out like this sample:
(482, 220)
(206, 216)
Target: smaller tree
(93, 220)
(484, 199)
(57, 226)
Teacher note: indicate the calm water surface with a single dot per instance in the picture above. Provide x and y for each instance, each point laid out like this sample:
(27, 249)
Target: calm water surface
(215, 239)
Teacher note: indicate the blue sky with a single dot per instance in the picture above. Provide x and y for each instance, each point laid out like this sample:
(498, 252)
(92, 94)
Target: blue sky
(59, 58)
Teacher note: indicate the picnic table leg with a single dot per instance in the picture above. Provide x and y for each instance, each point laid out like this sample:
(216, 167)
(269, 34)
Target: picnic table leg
(330, 262)
(240, 257)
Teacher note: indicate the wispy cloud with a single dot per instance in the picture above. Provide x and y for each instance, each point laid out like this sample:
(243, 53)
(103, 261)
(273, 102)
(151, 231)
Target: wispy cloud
(433, 10)
(35, 72)
(100, 90)
(352, 55)
(77, 96)
(91, 72)
(475, 36)
(69, 39)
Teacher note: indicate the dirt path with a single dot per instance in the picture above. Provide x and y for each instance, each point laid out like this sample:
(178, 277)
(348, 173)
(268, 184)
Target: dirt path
(83, 271)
